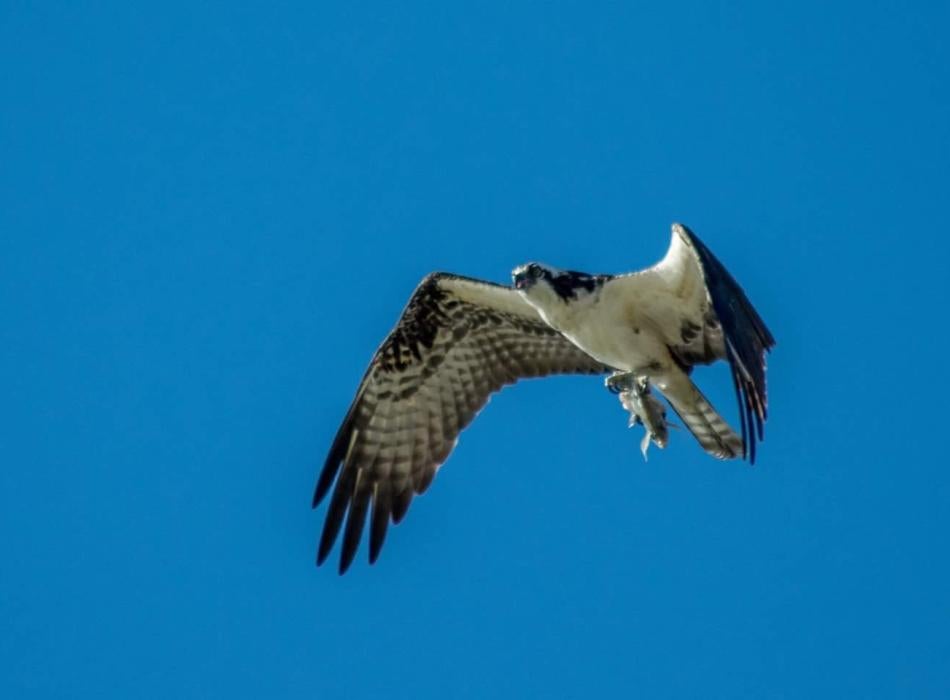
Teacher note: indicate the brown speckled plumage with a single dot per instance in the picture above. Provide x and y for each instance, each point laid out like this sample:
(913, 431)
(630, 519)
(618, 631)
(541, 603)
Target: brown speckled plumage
(457, 341)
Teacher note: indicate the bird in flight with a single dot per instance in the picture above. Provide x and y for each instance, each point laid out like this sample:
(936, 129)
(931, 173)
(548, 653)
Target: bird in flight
(461, 339)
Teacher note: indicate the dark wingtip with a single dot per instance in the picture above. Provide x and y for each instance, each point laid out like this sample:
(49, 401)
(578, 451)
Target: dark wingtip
(345, 563)
(338, 507)
(323, 552)
(326, 544)
(338, 451)
(334, 461)
(355, 521)
(374, 553)
(324, 482)
(752, 452)
(400, 504)
(379, 524)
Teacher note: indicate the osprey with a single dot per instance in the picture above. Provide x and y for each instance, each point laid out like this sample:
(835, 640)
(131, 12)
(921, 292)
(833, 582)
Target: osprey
(461, 339)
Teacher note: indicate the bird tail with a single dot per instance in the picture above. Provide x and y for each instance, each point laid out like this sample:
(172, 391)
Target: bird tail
(703, 421)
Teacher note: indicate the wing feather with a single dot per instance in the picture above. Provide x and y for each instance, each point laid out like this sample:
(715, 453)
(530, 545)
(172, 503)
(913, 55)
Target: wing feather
(457, 341)
(746, 339)
(401, 503)
(382, 510)
(342, 493)
(355, 519)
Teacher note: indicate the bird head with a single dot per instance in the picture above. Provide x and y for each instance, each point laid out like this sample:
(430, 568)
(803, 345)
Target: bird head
(524, 277)
(543, 285)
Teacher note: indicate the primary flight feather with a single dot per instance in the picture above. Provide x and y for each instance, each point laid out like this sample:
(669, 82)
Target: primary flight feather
(459, 340)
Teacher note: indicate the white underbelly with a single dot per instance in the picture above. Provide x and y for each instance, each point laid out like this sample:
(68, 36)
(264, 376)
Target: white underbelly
(619, 346)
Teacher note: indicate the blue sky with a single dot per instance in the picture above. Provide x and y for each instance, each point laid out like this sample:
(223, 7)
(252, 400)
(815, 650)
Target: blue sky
(211, 216)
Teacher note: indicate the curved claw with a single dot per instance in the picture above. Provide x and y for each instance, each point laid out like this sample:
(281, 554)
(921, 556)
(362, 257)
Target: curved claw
(618, 382)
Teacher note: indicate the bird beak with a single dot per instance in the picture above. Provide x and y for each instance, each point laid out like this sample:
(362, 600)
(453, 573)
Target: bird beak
(521, 279)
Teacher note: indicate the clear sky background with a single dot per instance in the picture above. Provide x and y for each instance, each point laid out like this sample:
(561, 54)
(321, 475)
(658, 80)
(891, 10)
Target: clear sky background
(211, 216)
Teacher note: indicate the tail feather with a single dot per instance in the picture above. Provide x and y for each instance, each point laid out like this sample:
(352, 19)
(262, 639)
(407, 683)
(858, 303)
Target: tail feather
(703, 421)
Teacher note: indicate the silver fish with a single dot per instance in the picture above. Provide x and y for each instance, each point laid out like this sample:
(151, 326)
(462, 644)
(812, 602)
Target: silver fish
(647, 410)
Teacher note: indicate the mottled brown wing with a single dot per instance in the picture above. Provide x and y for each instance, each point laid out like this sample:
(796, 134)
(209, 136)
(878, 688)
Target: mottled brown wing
(457, 341)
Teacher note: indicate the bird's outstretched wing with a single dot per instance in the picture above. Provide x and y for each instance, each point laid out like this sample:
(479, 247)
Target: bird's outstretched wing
(736, 332)
(457, 341)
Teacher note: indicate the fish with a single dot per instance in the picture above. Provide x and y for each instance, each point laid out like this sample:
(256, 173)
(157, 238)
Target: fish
(647, 410)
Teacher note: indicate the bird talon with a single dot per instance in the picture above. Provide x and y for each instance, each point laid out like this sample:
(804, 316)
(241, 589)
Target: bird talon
(619, 382)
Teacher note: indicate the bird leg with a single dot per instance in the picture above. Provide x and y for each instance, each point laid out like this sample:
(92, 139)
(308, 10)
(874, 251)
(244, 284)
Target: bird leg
(644, 408)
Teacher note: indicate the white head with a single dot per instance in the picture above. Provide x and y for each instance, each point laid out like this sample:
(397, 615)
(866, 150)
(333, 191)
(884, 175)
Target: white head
(550, 289)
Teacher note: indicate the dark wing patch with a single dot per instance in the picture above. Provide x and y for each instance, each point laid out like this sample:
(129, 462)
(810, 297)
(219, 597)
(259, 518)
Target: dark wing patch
(457, 341)
(568, 283)
(746, 340)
